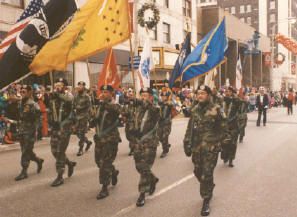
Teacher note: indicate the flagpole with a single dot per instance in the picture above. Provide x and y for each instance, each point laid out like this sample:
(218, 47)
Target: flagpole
(89, 72)
(54, 102)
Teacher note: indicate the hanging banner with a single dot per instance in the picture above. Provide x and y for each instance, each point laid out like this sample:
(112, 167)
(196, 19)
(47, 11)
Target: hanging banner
(293, 69)
(267, 58)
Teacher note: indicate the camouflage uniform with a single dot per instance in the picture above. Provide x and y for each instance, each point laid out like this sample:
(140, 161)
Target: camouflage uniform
(216, 99)
(204, 133)
(242, 118)
(146, 141)
(82, 106)
(165, 122)
(30, 118)
(107, 138)
(61, 105)
(231, 109)
(129, 113)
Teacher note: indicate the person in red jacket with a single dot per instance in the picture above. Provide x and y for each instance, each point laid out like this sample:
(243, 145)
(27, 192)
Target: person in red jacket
(290, 102)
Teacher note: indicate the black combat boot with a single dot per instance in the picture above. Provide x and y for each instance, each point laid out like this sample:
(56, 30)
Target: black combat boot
(231, 163)
(59, 180)
(153, 186)
(141, 200)
(131, 152)
(89, 143)
(80, 151)
(103, 193)
(23, 175)
(240, 139)
(39, 165)
(114, 177)
(205, 208)
(70, 168)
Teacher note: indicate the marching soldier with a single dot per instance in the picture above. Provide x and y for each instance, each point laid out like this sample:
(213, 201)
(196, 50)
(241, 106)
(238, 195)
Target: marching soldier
(82, 106)
(202, 140)
(129, 113)
(216, 98)
(242, 118)
(165, 122)
(30, 116)
(146, 141)
(231, 109)
(61, 112)
(106, 139)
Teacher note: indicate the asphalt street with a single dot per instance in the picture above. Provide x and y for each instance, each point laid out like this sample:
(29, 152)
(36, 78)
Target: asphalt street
(263, 182)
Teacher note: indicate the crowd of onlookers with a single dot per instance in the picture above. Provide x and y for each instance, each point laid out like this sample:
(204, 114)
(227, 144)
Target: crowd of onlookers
(181, 97)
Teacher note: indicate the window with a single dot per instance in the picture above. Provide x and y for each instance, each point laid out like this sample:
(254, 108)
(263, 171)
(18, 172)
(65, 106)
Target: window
(166, 33)
(187, 8)
(227, 9)
(241, 9)
(249, 20)
(233, 11)
(166, 3)
(272, 18)
(272, 4)
(248, 8)
(17, 3)
(154, 33)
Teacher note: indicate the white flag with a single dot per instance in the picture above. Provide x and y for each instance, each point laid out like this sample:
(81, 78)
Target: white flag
(210, 78)
(145, 66)
(81, 73)
(238, 79)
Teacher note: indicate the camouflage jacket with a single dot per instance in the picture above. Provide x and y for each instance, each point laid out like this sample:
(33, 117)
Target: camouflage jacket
(61, 110)
(207, 126)
(217, 99)
(243, 109)
(129, 112)
(30, 116)
(81, 105)
(165, 114)
(106, 122)
(148, 115)
(231, 106)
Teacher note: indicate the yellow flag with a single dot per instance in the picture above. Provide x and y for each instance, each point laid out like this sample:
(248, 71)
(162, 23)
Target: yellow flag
(97, 26)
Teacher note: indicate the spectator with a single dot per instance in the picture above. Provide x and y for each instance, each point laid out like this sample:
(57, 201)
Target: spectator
(252, 101)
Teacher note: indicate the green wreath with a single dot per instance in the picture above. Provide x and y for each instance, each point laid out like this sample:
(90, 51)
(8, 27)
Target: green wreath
(151, 23)
(280, 61)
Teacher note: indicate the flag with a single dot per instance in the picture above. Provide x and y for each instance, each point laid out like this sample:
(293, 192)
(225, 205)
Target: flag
(209, 79)
(145, 66)
(238, 78)
(109, 74)
(96, 26)
(15, 62)
(131, 7)
(184, 52)
(33, 7)
(208, 54)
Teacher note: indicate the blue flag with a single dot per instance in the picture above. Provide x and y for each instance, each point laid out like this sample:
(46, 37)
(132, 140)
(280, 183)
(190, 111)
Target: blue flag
(185, 51)
(208, 54)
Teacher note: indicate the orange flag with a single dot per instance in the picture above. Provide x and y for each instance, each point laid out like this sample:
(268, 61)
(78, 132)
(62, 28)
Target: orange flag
(109, 74)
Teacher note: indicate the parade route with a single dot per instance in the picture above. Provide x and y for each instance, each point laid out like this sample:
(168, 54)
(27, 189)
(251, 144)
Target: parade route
(262, 183)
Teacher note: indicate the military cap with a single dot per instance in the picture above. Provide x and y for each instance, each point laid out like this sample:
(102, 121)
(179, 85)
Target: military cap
(204, 88)
(26, 87)
(146, 90)
(64, 81)
(107, 87)
(164, 94)
(81, 83)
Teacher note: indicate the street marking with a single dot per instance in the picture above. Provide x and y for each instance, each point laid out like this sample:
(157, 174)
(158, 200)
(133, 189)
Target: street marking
(159, 193)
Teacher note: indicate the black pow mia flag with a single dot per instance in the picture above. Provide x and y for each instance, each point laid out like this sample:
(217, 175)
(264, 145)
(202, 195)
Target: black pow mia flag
(15, 62)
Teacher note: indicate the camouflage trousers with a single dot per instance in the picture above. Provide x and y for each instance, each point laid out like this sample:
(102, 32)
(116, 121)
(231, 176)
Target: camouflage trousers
(81, 130)
(205, 161)
(105, 154)
(229, 150)
(130, 138)
(59, 143)
(144, 157)
(27, 146)
(163, 134)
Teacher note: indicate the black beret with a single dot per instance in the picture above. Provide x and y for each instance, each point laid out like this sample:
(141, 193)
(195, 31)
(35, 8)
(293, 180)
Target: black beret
(64, 81)
(231, 89)
(107, 87)
(204, 88)
(26, 87)
(81, 83)
(146, 90)
(164, 94)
